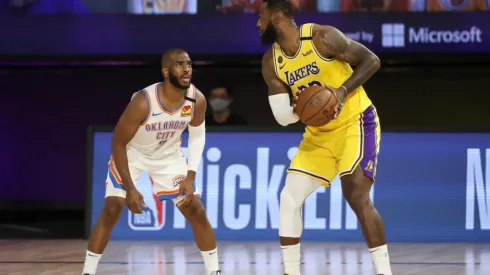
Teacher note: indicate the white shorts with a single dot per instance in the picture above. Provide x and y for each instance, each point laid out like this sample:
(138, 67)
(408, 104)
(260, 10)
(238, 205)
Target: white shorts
(165, 175)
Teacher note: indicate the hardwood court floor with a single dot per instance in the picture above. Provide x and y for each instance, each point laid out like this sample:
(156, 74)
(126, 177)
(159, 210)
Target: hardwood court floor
(65, 257)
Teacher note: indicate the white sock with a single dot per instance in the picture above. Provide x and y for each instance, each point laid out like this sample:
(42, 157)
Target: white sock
(291, 256)
(381, 259)
(91, 262)
(210, 259)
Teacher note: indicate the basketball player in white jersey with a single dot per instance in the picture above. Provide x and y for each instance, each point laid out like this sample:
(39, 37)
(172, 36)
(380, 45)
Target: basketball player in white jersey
(147, 138)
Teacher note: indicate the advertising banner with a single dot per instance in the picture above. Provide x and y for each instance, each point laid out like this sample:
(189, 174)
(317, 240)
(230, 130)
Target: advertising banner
(235, 33)
(429, 187)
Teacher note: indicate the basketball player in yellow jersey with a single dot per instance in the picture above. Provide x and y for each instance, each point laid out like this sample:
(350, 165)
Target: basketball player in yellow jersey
(347, 146)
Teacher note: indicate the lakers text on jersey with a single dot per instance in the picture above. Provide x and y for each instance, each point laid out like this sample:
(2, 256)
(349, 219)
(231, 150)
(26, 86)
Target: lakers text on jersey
(348, 141)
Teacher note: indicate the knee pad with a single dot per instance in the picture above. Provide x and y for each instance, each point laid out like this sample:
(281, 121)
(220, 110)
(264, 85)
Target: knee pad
(293, 195)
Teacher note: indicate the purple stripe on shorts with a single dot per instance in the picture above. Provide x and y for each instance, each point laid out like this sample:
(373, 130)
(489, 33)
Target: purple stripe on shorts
(369, 160)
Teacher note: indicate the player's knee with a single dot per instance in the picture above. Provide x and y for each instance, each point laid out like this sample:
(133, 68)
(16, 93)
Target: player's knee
(112, 210)
(358, 200)
(288, 201)
(195, 212)
(290, 224)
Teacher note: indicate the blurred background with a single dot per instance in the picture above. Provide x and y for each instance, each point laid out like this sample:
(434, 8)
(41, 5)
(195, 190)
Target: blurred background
(67, 65)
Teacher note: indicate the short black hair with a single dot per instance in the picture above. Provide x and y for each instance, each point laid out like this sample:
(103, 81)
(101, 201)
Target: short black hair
(167, 56)
(285, 6)
(225, 85)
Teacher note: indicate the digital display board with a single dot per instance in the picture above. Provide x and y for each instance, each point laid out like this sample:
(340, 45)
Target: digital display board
(218, 34)
(429, 187)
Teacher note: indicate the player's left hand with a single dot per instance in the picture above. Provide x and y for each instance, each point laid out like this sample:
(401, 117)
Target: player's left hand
(186, 190)
(340, 94)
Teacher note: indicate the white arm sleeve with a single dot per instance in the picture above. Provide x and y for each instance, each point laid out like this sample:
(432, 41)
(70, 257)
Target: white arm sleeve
(282, 110)
(197, 139)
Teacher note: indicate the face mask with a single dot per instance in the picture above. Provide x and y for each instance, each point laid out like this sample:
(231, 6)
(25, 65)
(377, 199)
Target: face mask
(219, 104)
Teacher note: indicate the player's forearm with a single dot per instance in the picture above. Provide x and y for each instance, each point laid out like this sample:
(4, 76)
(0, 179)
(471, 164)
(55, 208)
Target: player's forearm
(364, 70)
(197, 140)
(282, 110)
(119, 152)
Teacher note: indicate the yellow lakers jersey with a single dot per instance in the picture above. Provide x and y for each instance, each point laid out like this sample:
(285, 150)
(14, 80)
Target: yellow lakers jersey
(456, 5)
(308, 67)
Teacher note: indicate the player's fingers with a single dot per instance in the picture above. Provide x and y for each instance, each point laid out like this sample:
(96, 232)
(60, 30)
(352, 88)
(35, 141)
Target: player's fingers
(337, 107)
(136, 207)
(142, 202)
(189, 196)
(131, 207)
(185, 201)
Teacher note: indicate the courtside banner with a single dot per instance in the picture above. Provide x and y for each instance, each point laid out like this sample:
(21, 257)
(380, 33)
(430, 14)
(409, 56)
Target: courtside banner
(429, 187)
(450, 32)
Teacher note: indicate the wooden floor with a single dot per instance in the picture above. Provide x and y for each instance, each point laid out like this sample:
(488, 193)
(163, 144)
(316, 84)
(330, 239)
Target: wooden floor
(164, 258)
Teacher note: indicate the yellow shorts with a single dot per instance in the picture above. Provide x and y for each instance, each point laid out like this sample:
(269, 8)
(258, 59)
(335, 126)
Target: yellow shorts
(324, 155)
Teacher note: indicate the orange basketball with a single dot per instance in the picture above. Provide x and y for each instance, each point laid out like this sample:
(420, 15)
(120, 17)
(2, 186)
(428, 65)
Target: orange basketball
(315, 105)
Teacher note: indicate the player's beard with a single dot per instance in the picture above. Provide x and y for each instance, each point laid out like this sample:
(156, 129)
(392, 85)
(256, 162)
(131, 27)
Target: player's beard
(269, 36)
(175, 81)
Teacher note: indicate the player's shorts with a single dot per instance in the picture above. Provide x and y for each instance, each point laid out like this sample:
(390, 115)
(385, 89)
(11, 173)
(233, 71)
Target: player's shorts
(340, 151)
(165, 174)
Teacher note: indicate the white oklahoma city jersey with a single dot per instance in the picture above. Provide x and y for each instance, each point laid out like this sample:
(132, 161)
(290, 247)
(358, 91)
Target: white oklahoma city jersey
(160, 134)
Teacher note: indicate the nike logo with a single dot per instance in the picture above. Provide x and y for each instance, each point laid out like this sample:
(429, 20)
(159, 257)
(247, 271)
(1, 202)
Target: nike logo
(156, 114)
(92, 255)
(280, 67)
(307, 53)
(211, 253)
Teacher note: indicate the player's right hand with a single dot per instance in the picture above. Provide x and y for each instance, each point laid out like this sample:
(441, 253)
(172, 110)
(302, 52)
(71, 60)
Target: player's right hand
(134, 201)
(296, 96)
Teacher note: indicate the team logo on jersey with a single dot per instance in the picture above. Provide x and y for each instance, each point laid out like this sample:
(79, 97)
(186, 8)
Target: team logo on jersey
(177, 180)
(296, 75)
(153, 217)
(186, 111)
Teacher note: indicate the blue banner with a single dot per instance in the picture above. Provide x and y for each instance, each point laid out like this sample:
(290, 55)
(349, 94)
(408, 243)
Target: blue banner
(429, 187)
(212, 33)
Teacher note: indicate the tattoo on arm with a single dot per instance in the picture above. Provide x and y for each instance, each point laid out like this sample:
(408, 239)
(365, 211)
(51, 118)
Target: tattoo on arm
(335, 44)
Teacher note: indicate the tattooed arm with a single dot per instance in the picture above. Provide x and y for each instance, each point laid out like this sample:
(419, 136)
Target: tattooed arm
(332, 43)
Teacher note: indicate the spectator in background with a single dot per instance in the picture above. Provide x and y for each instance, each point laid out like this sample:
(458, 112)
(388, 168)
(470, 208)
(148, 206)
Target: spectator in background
(329, 5)
(221, 114)
(254, 5)
(42, 7)
(449, 5)
(376, 5)
(162, 6)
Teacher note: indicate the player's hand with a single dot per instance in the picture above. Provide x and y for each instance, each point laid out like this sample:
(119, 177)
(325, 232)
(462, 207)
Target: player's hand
(294, 102)
(186, 190)
(134, 201)
(340, 95)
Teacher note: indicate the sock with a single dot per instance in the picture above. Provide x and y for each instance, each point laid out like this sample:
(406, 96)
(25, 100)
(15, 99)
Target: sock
(291, 256)
(210, 259)
(381, 259)
(91, 262)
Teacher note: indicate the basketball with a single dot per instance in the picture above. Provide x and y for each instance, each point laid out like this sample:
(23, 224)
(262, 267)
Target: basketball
(315, 105)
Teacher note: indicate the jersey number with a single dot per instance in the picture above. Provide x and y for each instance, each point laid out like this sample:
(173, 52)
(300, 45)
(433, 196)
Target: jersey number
(312, 83)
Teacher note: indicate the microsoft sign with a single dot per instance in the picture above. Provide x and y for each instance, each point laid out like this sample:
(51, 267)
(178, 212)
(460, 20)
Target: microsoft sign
(398, 35)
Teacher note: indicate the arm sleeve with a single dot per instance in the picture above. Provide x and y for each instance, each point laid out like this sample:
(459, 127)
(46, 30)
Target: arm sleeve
(282, 110)
(197, 140)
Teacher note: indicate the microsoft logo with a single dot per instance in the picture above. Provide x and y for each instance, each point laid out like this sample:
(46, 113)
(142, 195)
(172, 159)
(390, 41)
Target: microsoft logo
(393, 35)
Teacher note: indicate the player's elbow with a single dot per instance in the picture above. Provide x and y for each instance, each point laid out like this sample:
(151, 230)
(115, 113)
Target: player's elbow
(375, 62)
(282, 111)
(282, 121)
